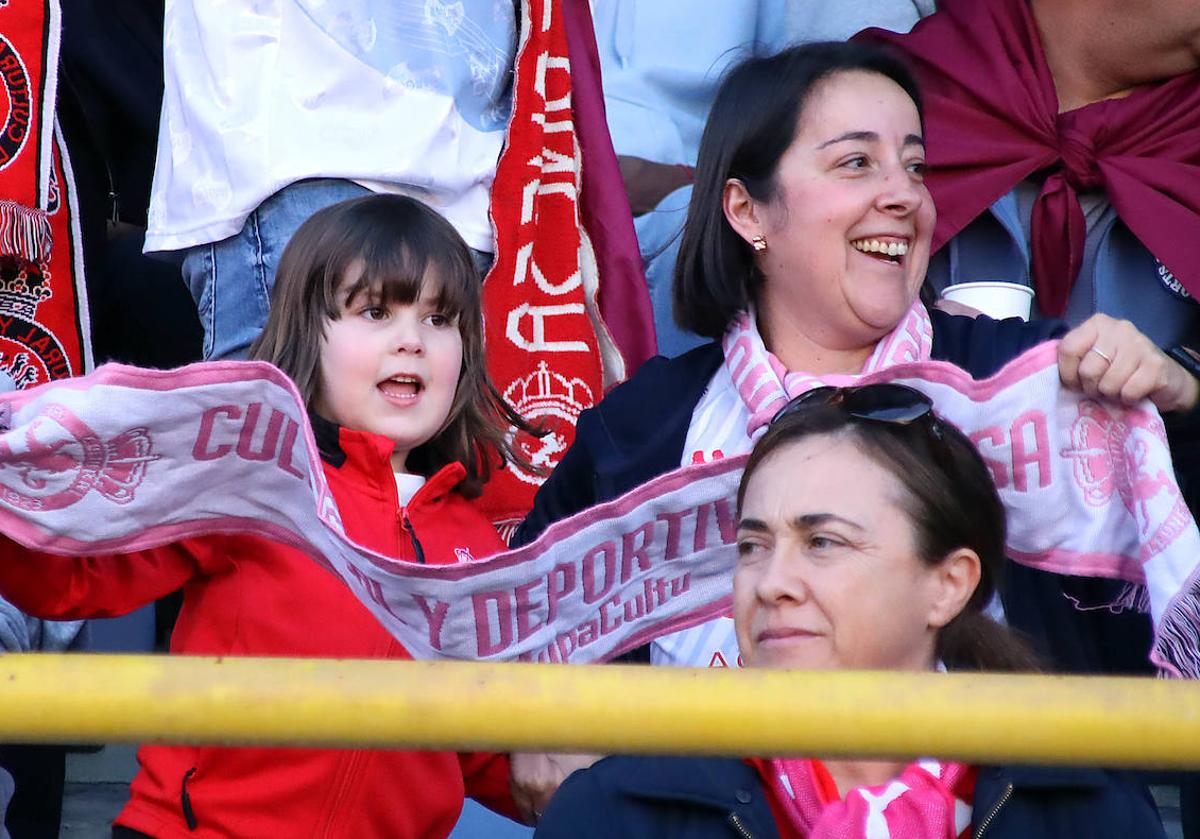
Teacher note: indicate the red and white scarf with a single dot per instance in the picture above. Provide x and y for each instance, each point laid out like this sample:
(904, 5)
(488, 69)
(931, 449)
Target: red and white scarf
(566, 311)
(44, 331)
(929, 800)
(766, 385)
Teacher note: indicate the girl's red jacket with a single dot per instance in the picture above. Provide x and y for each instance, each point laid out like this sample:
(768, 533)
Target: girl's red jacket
(245, 595)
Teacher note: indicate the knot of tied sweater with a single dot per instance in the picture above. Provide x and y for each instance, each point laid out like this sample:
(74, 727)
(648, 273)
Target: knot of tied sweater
(1079, 164)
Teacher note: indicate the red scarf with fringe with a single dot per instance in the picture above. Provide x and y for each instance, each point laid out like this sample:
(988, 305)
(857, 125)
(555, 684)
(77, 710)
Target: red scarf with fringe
(43, 306)
(566, 310)
(992, 120)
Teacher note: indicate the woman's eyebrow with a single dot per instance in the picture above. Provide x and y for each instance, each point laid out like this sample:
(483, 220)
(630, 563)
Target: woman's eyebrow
(871, 137)
(810, 521)
(754, 525)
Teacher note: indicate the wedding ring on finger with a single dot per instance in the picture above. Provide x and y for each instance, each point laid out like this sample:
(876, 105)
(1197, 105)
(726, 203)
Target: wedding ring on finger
(1102, 354)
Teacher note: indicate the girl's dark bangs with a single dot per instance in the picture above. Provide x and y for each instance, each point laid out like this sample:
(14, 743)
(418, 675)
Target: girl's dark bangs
(384, 249)
(397, 275)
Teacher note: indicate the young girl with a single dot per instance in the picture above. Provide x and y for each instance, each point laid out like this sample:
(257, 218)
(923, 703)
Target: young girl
(376, 317)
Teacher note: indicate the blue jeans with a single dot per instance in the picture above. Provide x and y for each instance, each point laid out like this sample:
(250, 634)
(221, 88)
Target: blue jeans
(231, 280)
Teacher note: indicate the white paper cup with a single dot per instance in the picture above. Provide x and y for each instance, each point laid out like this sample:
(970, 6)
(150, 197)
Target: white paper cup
(994, 298)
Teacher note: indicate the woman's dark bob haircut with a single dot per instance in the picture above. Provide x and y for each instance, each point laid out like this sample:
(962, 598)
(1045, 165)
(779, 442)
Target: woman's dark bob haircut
(951, 503)
(752, 123)
(386, 248)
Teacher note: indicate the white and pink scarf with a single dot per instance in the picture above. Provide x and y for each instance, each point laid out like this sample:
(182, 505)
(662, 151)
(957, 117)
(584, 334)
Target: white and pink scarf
(112, 462)
(929, 800)
(1111, 478)
(766, 385)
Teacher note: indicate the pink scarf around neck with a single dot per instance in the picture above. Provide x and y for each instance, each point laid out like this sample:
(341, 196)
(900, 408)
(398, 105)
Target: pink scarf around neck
(930, 800)
(766, 385)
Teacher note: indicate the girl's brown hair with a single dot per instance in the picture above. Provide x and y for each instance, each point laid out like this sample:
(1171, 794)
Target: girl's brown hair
(391, 245)
(951, 503)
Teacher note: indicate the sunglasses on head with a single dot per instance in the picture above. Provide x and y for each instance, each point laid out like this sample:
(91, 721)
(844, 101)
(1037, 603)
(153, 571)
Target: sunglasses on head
(889, 403)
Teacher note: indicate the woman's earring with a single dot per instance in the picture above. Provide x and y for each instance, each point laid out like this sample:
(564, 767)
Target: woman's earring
(759, 243)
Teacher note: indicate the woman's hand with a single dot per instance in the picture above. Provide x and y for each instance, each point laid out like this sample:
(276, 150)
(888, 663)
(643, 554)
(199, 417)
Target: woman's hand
(535, 777)
(1110, 358)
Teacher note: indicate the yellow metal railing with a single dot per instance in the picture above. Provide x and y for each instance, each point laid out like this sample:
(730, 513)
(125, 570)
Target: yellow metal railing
(454, 705)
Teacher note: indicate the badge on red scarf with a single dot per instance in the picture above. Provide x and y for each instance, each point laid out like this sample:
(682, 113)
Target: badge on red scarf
(43, 306)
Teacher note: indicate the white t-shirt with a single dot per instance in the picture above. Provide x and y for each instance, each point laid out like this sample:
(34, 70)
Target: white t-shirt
(399, 95)
(407, 486)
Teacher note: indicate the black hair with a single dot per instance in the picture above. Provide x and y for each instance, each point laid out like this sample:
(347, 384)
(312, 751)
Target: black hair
(751, 124)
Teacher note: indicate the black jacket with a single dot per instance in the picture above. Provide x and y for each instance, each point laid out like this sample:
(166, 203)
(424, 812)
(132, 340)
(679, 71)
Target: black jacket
(723, 798)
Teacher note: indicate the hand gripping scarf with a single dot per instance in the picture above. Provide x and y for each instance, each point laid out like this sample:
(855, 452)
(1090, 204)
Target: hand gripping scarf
(43, 305)
(992, 120)
(109, 463)
(566, 310)
(930, 800)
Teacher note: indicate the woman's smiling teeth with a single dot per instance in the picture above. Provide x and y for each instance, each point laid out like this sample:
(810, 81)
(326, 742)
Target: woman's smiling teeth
(890, 250)
(401, 387)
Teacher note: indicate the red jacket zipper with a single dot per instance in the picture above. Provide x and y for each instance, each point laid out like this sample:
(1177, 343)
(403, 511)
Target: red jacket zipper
(412, 534)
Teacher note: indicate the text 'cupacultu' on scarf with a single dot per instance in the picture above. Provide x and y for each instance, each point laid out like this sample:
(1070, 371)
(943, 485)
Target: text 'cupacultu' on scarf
(625, 581)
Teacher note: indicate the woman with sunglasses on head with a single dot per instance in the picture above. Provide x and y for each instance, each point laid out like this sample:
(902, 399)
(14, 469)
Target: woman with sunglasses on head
(870, 536)
(806, 243)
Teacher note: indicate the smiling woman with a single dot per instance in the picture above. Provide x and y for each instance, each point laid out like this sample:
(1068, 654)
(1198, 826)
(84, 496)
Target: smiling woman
(849, 202)
(806, 244)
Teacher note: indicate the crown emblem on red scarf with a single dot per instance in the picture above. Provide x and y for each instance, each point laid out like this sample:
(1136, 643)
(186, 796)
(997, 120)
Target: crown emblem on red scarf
(544, 392)
(22, 291)
(551, 401)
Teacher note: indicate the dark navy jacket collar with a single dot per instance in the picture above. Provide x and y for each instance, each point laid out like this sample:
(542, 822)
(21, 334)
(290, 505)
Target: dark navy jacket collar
(1048, 777)
(677, 779)
(727, 785)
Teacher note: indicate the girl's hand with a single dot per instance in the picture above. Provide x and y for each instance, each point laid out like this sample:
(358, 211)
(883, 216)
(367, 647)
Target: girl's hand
(1110, 358)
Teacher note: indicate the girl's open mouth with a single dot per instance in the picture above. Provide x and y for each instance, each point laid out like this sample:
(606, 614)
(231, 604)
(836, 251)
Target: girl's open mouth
(401, 387)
